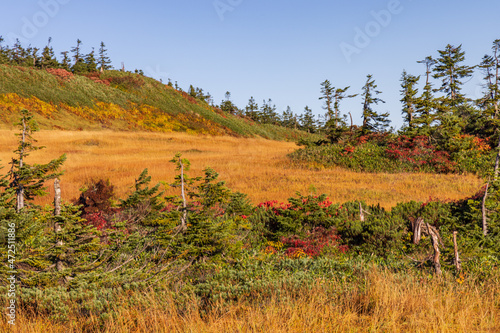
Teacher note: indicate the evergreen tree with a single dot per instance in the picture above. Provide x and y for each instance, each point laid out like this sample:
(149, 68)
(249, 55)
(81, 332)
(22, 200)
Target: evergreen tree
(228, 106)
(450, 70)
(48, 59)
(252, 110)
(307, 121)
(409, 98)
(490, 65)
(79, 65)
(288, 119)
(4, 52)
(268, 114)
(104, 61)
(27, 181)
(327, 94)
(372, 121)
(66, 61)
(90, 62)
(424, 111)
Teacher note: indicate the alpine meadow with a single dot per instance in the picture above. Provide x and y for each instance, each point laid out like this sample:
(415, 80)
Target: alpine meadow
(131, 204)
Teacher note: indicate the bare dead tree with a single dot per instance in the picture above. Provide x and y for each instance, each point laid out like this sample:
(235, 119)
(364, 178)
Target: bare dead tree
(361, 213)
(57, 226)
(483, 209)
(416, 228)
(183, 193)
(457, 261)
(435, 238)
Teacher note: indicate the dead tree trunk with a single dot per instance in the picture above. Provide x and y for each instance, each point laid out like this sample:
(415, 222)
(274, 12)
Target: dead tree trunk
(361, 213)
(483, 209)
(416, 228)
(183, 193)
(457, 261)
(57, 226)
(433, 233)
(497, 160)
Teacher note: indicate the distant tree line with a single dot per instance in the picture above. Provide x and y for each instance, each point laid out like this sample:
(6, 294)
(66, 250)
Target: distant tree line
(439, 110)
(74, 60)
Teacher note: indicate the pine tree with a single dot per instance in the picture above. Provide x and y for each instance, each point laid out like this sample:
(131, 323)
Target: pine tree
(327, 94)
(372, 121)
(79, 65)
(4, 52)
(409, 98)
(450, 70)
(66, 61)
(27, 181)
(252, 110)
(48, 59)
(307, 121)
(104, 61)
(490, 65)
(424, 112)
(288, 119)
(90, 62)
(268, 114)
(228, 106)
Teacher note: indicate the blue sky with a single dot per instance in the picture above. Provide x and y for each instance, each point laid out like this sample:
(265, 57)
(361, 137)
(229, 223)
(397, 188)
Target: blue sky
(278, 49)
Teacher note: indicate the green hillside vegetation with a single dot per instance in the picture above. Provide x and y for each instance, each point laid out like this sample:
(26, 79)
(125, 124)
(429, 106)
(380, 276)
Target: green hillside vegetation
(117, 100)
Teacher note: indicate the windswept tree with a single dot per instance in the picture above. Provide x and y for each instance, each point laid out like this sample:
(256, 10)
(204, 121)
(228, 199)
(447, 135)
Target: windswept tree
(289, 119)
(228, 106)
(409, 98)
(103, 61)
(252, 109)
(27, 181)
(48, 59)
(307, 121)
(327, 94)
(451, 70)
(373, 121)
(90, 62)
(425, 107)
(268, 114)
(490, 66)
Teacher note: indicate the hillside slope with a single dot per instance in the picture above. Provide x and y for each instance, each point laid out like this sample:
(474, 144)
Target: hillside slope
(116, 100)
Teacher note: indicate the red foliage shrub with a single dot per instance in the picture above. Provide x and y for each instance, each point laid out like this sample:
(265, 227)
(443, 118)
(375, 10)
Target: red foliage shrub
(313, 244)
(61, 74)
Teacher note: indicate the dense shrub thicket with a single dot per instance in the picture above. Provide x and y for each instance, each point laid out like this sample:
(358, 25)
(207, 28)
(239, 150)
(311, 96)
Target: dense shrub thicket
(211, 243)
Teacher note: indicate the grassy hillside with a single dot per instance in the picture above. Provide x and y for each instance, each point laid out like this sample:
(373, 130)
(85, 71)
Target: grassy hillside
(116, 100)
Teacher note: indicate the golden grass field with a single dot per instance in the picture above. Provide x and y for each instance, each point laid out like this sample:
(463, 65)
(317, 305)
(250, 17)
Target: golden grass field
(387, 302)
(253, 166)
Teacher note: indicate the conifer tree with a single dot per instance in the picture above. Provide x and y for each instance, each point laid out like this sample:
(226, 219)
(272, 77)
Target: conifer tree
(66, 61)
(307, 121)
(409, 98)
(48, 59)
(4, 52)
(372, 121)
(252, 109)
(228, 106)
(27, 181)
(90, 62)
(327, 94)
(451, 71)
(104, 61)
(490, 65)
(424, 112)
(79, 65)
(288, 119)
(268, 114)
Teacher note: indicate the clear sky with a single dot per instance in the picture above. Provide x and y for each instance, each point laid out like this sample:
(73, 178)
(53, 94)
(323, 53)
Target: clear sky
(278, 49)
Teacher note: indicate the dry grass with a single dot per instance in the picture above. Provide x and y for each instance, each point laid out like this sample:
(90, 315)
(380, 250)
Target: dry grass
(257, 167)
(384, 302)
